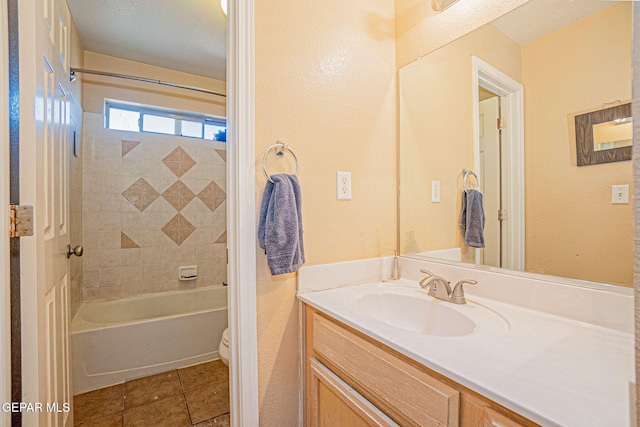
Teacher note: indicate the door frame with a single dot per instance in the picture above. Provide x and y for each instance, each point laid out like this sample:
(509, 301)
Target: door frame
(512, 111)
(5, 308)
(241, 215)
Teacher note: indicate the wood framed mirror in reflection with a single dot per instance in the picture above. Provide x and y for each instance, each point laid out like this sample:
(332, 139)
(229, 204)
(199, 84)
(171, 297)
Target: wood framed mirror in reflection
(461, 108)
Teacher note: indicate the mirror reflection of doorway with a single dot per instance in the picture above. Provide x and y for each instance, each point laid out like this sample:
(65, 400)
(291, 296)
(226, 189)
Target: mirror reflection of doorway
(490, 174)
(500, 164)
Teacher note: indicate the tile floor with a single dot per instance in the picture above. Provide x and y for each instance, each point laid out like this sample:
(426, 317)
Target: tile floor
(194, 396)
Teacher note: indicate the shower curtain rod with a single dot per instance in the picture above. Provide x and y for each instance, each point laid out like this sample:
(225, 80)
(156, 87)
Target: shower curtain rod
(142, 79)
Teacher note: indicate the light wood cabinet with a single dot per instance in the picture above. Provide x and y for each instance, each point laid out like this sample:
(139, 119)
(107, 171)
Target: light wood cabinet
(353, 380)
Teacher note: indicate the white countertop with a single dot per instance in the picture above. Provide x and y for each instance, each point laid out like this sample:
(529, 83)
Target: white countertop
(552, 370)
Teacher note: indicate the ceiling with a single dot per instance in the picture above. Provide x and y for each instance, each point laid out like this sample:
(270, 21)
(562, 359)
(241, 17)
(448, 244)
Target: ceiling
(539, 17)
(185, 35)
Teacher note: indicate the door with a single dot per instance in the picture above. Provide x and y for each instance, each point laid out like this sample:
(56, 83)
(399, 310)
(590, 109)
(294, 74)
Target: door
(490, 179)
(44, 151)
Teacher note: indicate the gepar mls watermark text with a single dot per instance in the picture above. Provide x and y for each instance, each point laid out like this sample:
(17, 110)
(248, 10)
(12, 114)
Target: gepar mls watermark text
(35, 407)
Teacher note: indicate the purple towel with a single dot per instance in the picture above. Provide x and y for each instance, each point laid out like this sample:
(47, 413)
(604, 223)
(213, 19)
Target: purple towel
(472, 218)
(280, 227)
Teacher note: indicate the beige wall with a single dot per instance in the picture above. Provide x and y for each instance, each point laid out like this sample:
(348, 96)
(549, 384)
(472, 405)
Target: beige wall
(325, 83)
(636, 192)
(570, 221)
(97, 88)
(431, 91)
(420, 30)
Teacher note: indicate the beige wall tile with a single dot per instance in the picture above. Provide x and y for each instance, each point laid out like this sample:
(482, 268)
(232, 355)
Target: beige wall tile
(109, 239)
(108, 147)
(110, 277)
(90, 278)
(109, 258)
(91, 183)
(130, 257)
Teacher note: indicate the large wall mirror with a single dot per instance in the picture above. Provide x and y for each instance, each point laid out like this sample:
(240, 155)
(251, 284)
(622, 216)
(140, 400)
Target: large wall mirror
(501, 102)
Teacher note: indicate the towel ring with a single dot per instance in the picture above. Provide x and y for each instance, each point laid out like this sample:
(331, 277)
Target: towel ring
(465, 176)
(280, 149)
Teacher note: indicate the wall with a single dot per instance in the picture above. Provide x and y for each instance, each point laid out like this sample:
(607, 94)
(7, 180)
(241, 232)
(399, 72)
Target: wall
(567, 205)
(433, 148)
(151, 202)
(636, 195)
(420, 30)
(97, 88)
(325, 83)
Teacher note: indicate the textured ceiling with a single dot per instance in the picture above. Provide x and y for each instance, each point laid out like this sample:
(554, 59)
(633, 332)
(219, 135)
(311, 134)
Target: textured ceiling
(185, 35)
(539, 17)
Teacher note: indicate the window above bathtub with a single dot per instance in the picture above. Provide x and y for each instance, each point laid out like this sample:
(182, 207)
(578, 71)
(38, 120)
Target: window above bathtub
(120, 115)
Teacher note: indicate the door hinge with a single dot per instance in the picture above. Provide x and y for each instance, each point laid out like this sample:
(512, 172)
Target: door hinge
(501, 123)
(501, 215)
(21, 221)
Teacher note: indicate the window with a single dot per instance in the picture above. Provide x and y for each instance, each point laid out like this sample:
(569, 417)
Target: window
(138, 118)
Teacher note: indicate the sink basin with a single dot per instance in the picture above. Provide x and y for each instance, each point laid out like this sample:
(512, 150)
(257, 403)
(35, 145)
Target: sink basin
(414, 314)
(411, 309)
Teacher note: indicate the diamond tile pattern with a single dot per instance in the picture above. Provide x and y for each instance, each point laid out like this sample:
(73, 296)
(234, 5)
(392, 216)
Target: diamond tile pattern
(212, 196)
(128, 146)
(141, 194)
(178, 229)
(222, 238)
(178, 195)
(127, 242)
(223, 154)
(179, 162)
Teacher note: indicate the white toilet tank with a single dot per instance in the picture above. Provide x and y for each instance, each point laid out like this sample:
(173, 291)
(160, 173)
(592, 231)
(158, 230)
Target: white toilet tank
(223, 349)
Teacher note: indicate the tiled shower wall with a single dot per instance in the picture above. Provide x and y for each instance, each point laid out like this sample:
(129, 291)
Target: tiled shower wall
(151, 204)
(75, 224)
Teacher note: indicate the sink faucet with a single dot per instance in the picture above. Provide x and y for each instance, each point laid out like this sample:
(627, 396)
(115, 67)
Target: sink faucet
(439, 287)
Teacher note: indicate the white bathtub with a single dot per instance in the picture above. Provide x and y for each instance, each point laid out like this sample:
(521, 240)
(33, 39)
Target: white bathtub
(115, 341)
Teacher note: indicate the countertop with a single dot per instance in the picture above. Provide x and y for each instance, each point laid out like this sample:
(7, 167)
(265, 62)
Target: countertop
(552, 370)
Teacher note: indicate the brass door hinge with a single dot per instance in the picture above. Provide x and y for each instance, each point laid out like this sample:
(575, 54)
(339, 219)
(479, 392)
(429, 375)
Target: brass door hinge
(501, 215)
(21, 221)
(501, 123)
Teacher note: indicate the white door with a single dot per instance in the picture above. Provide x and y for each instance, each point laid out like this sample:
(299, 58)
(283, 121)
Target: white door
(490, 170)
(44, 151)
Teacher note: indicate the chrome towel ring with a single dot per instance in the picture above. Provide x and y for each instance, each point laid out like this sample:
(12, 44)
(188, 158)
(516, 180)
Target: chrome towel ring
(465, 179)
(279, 148)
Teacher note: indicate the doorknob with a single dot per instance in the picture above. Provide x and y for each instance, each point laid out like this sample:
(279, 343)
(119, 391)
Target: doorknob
(77, 251)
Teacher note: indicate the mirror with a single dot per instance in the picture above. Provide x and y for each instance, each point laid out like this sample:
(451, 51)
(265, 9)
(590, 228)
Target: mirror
(502, 102)
(604, 135)
(616, 133)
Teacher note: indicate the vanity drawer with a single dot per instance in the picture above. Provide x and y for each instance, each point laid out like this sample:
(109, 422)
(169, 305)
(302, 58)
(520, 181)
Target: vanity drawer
(404, 392)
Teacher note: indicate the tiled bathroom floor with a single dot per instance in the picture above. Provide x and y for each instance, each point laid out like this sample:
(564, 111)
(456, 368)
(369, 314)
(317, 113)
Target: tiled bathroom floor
(193, 396)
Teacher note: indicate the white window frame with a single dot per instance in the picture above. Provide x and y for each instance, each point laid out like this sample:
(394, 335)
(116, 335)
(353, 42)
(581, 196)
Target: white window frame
(178, 115)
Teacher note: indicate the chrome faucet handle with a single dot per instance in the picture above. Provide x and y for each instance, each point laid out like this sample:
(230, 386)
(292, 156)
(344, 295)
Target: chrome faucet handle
(424, 281)
(457, 296)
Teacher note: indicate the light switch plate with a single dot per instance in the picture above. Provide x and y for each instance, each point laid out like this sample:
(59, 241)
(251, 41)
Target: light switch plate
(620, 194)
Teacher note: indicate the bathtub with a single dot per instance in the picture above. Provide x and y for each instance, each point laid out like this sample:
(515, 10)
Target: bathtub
(115, 341)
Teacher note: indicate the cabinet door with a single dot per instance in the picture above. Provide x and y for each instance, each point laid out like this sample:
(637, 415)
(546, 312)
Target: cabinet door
(334, 403)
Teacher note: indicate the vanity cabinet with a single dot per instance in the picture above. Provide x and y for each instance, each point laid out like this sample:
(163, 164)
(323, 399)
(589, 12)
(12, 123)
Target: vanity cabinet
(353, 380)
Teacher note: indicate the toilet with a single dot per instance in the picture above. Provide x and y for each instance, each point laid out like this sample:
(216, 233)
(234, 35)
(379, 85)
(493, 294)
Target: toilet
(223, 349)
